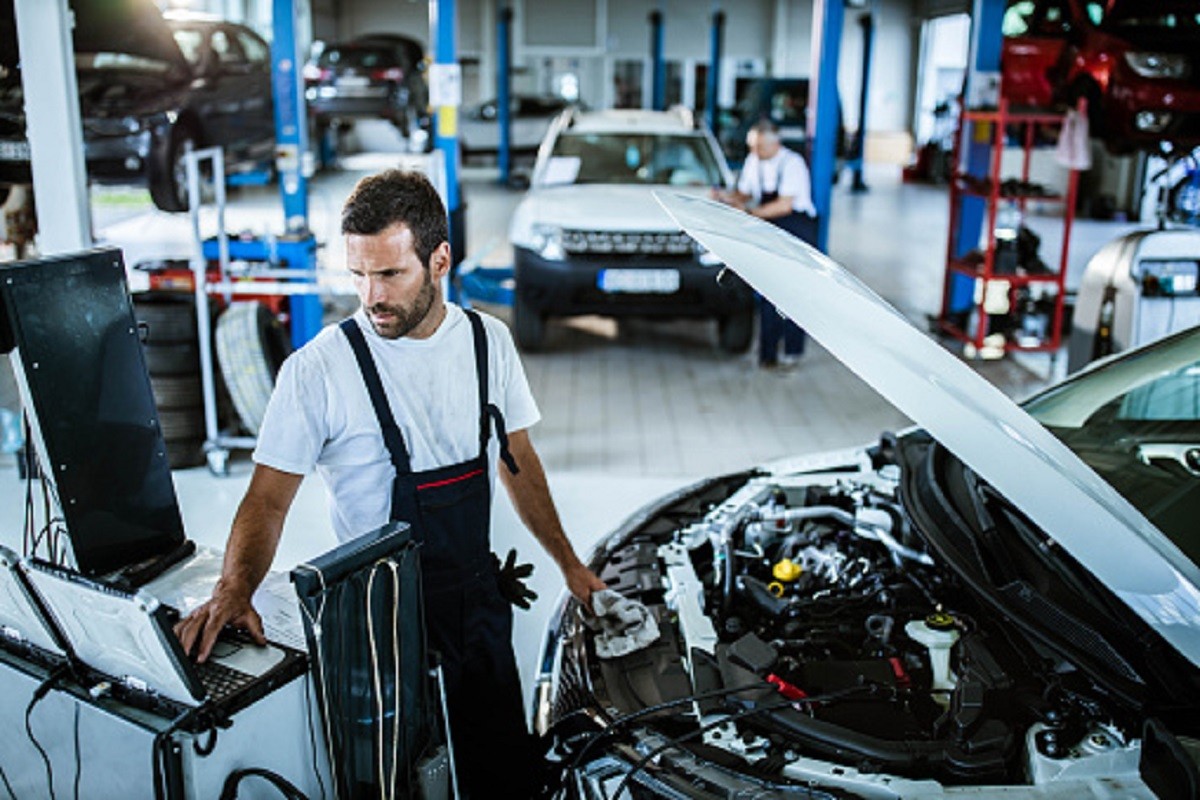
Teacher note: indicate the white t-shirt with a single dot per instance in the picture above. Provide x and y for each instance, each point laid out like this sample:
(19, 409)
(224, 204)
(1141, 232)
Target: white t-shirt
(784, 173)
(320, 415)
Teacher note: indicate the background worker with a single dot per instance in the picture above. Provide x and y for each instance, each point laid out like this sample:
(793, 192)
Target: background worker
(775, 185)
(403, 410)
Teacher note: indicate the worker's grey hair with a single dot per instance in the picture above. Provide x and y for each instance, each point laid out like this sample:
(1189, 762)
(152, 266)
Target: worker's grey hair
(398, 196)
(765, 126)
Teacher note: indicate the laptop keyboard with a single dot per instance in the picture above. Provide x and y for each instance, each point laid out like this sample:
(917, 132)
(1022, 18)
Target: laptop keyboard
(220, 681)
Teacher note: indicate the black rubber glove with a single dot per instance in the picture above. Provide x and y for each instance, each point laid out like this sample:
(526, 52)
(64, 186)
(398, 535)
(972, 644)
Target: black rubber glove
(511, 578)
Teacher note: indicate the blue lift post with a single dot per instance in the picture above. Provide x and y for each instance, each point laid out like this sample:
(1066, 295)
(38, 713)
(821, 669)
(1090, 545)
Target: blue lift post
(504, 92)
(716, 45)
(987, 17)
(828, 17)
(867, 23)
(447, 97)
(658, 64)
(296, 249)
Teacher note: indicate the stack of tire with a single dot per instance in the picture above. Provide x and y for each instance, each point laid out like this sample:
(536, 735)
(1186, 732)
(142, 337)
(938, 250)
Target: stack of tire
(173, 361)
(251, 345)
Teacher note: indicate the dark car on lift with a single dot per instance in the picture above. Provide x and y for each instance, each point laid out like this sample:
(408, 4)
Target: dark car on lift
(149, 88)
(374, 76)
(1137, 62)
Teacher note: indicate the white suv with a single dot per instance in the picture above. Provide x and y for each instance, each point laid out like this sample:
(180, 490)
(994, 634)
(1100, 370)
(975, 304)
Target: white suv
(590, 238)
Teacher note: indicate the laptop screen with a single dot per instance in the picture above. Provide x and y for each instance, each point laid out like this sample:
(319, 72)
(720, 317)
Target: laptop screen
(84, 374)
(124, 636)
(21, 620)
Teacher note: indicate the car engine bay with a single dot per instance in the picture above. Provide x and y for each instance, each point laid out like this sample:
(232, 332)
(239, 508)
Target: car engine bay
(821, 643)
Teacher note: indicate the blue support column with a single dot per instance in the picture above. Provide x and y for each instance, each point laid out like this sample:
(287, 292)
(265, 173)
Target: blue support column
(504, 91)
(291, 129)
(291, 147)
(867, 23)
(446, 95)
(828, 16)
(658, 64)
(716, 45)
(983, 81)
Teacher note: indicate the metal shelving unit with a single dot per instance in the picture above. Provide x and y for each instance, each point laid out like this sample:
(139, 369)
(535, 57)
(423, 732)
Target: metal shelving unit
(992, 190)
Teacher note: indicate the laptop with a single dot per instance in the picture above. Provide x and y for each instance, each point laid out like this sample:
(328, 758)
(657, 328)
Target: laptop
(25, 628)
(128, 640)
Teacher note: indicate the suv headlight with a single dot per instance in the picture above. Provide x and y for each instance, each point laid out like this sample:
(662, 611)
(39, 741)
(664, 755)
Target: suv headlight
(546, 240)
(1159, 65)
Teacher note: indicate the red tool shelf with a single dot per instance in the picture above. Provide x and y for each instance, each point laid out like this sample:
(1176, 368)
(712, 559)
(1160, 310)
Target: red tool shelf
(995, 125)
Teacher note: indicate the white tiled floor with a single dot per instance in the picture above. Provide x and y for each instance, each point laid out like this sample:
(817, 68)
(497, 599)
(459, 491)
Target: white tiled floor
(630, 410)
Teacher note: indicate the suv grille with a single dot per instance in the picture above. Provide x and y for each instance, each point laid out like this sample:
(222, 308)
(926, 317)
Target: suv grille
(639, 242)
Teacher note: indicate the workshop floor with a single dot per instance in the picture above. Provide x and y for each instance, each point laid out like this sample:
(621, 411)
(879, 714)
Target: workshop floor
(630, 410)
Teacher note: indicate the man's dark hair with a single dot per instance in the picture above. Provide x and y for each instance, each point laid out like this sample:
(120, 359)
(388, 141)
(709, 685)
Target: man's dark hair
(396, 196)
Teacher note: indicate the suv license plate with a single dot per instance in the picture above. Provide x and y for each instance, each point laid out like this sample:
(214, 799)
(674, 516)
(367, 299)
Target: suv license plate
(14, 151)
(353, 81)
(639, 281)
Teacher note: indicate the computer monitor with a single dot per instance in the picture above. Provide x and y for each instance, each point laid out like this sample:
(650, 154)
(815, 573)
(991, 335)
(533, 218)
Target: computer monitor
(82, 374)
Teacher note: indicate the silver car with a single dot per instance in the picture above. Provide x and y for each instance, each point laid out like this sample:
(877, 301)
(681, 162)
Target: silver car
(1002, 602)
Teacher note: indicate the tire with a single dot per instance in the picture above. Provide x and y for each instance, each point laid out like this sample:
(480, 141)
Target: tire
(735, 332)
(169, 319)
(181, 424)
(186, 453)
(177, 391)
(529, 325)
(168, 176)
(251, 347)
(172, 359)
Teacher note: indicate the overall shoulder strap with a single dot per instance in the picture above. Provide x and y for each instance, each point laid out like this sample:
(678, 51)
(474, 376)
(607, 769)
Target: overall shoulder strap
(393, 439)
(488, 412)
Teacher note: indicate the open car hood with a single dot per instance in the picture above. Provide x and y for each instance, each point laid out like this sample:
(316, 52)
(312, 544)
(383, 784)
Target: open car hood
(135, 27)
(982, 427)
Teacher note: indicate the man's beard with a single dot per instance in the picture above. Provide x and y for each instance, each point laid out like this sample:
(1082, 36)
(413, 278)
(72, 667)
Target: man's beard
(404, 319)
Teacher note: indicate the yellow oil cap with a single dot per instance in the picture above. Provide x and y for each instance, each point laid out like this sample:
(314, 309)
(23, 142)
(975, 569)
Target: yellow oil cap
(940, 621)
(786, 570)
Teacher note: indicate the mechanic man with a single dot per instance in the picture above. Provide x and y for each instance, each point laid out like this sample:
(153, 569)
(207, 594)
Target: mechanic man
(775, 185)
(403, 410)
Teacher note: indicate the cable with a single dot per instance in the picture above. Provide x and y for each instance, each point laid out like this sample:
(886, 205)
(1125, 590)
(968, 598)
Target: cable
(7, 785)
(645, 712)
(41, 691)
(672, 743)
(675, 742)
(78, 758)
(312, 739)
(314, 622)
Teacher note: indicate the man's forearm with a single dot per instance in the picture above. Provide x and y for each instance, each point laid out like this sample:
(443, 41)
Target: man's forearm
(531, 498)
(256, 530)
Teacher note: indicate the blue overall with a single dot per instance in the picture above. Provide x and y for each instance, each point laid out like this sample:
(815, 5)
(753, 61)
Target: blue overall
(771, 326)
(468, 621)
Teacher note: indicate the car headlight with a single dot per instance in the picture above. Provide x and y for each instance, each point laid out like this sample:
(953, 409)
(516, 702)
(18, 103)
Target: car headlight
(546, 240)
(1159, 65)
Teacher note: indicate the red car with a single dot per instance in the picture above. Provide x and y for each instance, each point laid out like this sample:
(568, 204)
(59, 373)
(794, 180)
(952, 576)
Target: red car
(1136, 61)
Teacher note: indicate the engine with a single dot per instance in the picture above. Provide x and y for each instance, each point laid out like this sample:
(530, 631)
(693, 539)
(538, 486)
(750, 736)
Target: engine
(821, 594)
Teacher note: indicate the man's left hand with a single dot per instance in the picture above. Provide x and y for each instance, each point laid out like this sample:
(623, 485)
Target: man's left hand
(581, 582)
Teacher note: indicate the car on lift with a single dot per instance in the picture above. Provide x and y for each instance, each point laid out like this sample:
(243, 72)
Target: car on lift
(374, 76)
(150, 88)
(1002, 602)
(531, 115)
(1134, 61)
(589, 238)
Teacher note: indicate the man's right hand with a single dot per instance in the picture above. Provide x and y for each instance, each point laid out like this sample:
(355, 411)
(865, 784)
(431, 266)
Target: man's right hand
(198, 631)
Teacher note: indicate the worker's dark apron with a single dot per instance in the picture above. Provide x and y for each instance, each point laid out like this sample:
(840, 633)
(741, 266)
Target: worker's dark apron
(771, 326)
(468, 622)
(802, 226)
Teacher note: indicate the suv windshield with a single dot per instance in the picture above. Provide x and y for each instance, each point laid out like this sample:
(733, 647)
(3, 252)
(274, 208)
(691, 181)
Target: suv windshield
(1136, 422)
(674, 159)
(358, 57)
